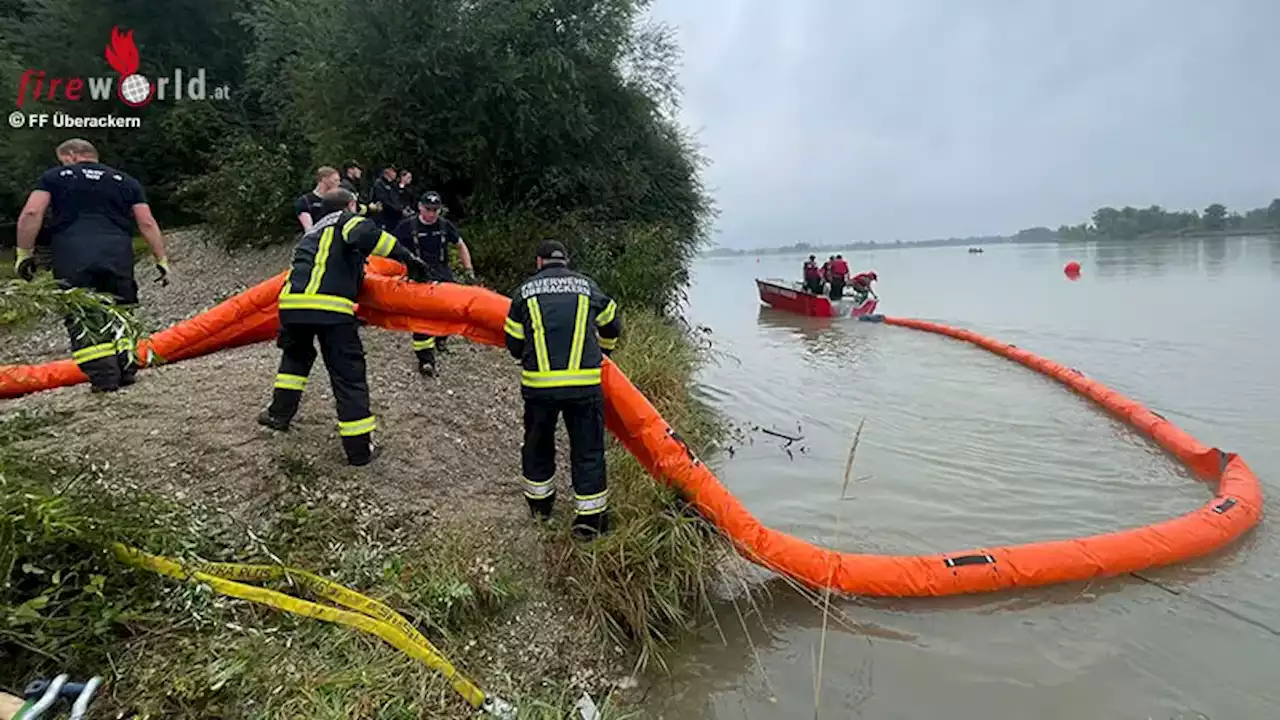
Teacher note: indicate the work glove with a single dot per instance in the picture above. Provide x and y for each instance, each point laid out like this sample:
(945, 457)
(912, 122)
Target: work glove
(375, 207)
(162, 266)
(417, 268)
(25, 264)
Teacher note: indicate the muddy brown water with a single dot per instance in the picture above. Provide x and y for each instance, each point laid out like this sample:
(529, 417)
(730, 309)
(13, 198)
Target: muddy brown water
(964, 449)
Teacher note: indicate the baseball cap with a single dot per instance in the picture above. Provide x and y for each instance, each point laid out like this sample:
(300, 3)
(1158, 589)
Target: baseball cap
(552, 250)
(430, 199)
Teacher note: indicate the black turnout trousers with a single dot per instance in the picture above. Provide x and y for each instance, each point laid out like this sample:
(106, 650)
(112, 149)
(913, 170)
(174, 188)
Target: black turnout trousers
(837, 288)
(584, 419)
(106, 361)
(343, 355)
(425, 346)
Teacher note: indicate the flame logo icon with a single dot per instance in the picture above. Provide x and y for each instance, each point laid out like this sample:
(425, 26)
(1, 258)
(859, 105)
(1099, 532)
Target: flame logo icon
(122, 55)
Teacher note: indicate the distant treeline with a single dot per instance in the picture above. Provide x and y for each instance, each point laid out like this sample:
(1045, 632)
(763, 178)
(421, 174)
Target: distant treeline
(1130, 223)
(1108, 223)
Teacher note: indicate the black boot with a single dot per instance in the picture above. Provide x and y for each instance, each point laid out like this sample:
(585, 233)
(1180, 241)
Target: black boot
(590, 527)
(266, 419)
(360, 449)
(427, 369)
(540, 509)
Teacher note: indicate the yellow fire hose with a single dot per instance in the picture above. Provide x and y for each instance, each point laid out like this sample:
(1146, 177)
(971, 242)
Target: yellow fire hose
(363, 613)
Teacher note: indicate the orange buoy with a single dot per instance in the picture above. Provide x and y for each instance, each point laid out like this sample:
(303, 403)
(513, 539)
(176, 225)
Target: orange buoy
(479, 314)
(1072, 268)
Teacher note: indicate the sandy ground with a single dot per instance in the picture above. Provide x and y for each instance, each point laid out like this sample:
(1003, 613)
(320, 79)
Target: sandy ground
(450, 444)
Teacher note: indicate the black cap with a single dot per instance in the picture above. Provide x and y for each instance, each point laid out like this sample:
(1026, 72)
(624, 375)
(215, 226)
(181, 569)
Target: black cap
(811, 257)
(553, 251)
(430, 199)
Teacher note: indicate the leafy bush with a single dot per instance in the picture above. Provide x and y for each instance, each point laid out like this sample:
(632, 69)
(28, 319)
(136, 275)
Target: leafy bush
(641, 265)
(245, 196)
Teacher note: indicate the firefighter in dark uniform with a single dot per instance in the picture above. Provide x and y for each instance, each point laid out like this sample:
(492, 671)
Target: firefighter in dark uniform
(385, 202)
(430, 236)
(351, 172)
(317, 302)
(93, 208)
(560, 326)
(307, 208)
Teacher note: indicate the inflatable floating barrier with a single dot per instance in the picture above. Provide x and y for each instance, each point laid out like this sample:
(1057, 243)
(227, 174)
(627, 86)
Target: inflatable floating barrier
(449, 309)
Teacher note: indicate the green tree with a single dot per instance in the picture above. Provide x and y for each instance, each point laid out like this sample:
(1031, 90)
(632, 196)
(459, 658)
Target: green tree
(1215, 217)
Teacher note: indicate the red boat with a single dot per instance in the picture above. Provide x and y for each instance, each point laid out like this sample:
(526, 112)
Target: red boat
(792, 297)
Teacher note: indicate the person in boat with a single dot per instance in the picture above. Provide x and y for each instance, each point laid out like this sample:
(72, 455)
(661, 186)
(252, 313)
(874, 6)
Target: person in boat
(839, 275)
(812, 276)
(826, 271)
(861, 285)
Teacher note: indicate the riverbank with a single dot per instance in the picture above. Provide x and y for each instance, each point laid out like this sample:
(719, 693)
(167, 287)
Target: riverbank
(436, 528)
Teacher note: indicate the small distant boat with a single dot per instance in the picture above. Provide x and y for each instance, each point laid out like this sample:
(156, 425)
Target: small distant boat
(975, 250)
(793, 298)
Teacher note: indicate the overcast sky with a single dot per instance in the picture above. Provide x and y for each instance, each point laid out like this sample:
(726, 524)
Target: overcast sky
(829, 120)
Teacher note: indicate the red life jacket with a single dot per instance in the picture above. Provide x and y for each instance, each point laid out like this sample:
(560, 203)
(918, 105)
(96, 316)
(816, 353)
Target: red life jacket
(862, 280)
(811, 271)
(840, 268)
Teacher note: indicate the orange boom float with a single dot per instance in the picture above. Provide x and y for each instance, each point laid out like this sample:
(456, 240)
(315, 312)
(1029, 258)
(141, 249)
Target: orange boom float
(448, 309)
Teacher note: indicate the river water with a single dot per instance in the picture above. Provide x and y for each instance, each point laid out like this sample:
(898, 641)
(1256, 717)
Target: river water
(963, 449)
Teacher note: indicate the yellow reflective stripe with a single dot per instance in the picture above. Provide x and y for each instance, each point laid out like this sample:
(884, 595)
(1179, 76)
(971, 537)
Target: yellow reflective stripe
(539, 336)
(592, 504)
(560, 378)
(386, 243)
(94, 352)
(514, 329)
(285, 381)
(351, 428)
(579, 334)
(606, 315)
(427, 344)
(535, 490)
(608, 343)
(351, 225)
(327, 303)
(322, 259)
(124, 345)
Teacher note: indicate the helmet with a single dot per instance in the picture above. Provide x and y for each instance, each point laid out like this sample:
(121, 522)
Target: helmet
(872, 274)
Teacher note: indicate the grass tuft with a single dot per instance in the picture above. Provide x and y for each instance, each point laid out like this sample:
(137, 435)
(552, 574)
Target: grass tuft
(650, 580)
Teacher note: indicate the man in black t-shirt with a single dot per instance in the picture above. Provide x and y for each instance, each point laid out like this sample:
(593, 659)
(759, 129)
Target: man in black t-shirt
(430, 236)
(94, 207)
(308, 207)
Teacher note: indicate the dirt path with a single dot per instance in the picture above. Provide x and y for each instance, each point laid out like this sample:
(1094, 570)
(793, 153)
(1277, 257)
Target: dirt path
(451, 444)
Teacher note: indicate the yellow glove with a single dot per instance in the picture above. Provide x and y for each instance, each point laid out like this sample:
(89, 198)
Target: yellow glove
(25, 264)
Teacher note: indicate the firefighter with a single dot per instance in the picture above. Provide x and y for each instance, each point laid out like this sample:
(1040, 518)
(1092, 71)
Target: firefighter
(560, 326)
(351, 172)
(307, 207)
(839, 275)
(812, 276)
(429, 236)
(317, 302)
(384, 200)
(93, 207)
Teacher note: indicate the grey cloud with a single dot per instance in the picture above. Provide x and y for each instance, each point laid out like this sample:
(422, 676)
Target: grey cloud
(838, 119)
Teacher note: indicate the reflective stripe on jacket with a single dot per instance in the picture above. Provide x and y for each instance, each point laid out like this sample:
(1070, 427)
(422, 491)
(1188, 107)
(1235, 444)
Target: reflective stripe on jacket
(328, 268)
(560, 326)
